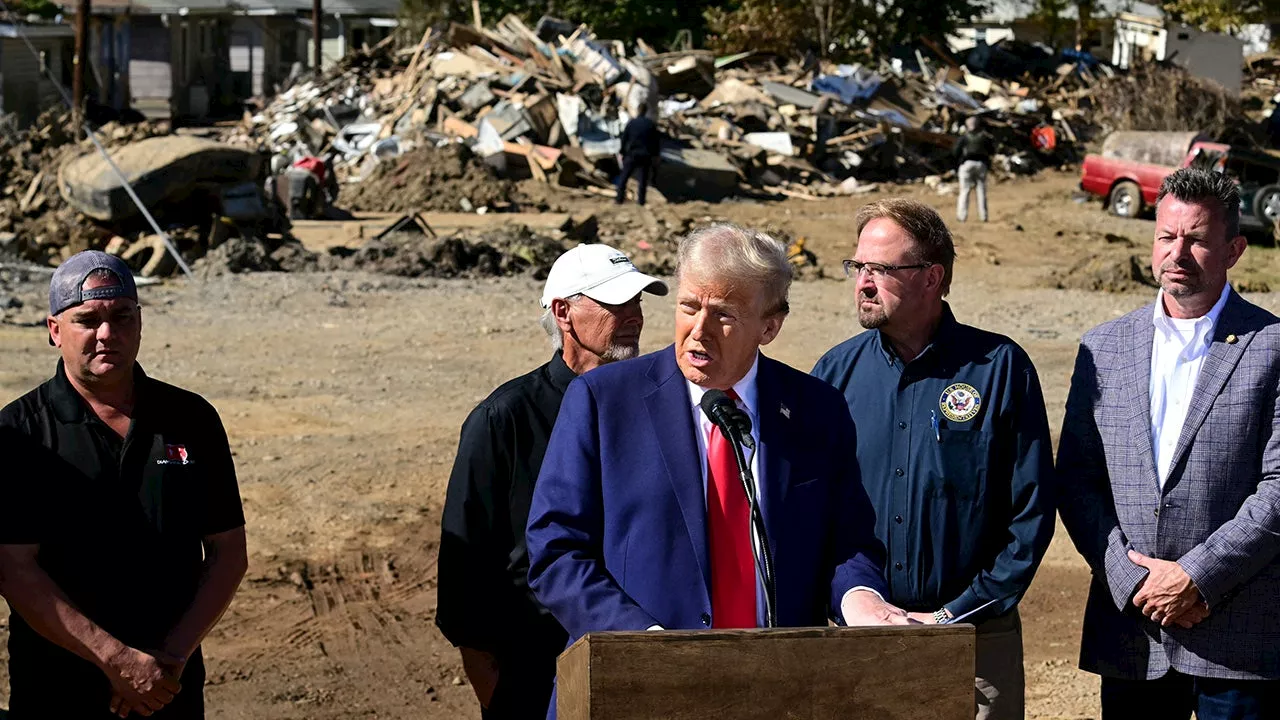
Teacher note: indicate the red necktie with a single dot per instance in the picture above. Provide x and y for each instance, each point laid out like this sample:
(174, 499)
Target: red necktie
(733, 565)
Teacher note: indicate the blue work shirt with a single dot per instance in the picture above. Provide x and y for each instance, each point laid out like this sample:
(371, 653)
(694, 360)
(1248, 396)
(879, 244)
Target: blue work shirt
(954, 452)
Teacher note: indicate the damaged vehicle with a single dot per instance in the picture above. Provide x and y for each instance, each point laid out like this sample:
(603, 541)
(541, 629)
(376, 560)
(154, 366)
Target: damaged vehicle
(1128, 173)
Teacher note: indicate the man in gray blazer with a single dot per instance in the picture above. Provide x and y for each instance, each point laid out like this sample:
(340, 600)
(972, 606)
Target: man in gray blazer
(1169, 479)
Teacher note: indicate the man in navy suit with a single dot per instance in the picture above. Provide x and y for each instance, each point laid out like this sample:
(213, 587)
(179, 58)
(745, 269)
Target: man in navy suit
(638, 520)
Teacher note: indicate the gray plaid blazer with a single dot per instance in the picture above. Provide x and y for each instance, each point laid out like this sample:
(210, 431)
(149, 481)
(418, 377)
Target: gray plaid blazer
(1219, 512)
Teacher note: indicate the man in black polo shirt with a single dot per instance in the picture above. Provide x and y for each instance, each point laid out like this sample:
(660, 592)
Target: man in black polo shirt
(121, 531)
(509, 642)
(953, 443)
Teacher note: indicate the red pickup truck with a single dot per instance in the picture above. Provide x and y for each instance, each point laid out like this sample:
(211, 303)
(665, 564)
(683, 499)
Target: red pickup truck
(1128, 187)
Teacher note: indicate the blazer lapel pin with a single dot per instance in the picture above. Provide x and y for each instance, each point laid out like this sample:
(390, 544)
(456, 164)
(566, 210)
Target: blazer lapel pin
(786, 411)
(1231, 339)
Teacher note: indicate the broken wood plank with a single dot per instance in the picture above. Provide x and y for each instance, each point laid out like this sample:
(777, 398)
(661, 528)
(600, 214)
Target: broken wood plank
(457, 126)
(797, 194)
(851, 137)
(31, 192)
(535, 169)
(407, 77)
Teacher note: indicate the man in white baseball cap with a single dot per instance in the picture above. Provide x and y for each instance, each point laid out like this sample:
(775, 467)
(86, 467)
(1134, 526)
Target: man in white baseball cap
(509, 642)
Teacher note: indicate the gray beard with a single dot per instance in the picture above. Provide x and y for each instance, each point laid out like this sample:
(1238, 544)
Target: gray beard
(873, 319)
(614, 352)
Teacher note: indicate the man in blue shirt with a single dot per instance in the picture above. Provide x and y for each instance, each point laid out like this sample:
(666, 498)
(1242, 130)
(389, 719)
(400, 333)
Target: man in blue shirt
(953, 443)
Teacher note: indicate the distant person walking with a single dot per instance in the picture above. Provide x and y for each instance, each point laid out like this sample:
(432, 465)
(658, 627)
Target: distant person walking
(973, 152)
(641, 145)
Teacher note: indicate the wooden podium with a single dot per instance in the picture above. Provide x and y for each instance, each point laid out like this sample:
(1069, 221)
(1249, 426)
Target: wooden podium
(877, 673)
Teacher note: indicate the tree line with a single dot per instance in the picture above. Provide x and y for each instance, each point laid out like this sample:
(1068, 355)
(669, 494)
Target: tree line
(836, 29)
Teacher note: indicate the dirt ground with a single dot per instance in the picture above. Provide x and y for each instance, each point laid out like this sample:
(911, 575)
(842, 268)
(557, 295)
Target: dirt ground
(343, 394)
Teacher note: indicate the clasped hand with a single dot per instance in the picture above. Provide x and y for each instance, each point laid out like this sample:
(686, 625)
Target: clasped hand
(143, 682)
(1168, 595)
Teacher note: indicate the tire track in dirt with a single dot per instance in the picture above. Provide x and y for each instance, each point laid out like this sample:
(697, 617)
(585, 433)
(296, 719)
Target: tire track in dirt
(357, 621)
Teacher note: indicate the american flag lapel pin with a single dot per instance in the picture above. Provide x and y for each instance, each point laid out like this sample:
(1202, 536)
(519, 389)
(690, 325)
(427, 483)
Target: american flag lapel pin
(786, 412)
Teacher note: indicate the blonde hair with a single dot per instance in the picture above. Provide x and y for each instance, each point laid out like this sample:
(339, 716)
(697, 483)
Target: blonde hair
(742, 255)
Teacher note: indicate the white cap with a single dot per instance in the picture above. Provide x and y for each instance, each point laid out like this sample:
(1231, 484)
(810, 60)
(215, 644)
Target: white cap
(600, 272)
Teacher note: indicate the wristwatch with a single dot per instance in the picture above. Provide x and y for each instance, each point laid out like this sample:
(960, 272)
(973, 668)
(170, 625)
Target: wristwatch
(941, 615)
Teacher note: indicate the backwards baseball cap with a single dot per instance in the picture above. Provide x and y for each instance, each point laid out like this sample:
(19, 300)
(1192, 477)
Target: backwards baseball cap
(600, 272)
(66, 289)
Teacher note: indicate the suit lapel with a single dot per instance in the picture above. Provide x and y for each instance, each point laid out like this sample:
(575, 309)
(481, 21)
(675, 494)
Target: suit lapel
(1137, 385)
(1218, 366)
(774, 427)
(670, 412)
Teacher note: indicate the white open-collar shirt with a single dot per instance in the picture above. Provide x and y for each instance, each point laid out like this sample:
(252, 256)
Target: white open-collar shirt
(1177, 355)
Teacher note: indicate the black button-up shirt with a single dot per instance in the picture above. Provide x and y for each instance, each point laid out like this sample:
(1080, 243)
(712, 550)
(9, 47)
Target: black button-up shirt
(120, 523)
(954, 452)
(484, 597)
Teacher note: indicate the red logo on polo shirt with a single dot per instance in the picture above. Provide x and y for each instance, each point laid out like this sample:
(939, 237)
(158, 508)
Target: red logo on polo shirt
(174, 455)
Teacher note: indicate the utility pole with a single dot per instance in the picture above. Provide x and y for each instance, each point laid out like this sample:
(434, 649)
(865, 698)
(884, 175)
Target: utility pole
(81, 62)
(317, 33)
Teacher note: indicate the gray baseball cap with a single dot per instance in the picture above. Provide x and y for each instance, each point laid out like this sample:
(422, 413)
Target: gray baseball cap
(66, 289)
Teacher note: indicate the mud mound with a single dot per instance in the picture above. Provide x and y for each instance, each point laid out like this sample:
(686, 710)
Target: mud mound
(509, 251)
(432, 179)
(241, 255)
(1107, 272)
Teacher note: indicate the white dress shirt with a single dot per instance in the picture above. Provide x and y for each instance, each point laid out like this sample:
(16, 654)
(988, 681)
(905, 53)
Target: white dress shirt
(748, 401)
(1177, 354)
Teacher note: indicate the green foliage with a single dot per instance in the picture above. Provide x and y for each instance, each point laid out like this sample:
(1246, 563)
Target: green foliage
(1223, 16)
(656, 21)
(23, 8)
(1058, 30)
(837, 28)
(784, 28)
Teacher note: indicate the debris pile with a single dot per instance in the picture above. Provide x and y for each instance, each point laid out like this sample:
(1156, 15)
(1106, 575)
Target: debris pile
(510, 250)
(36, 225)
(1188, 103)
(549, 104)
(59, 197)
(498, 119)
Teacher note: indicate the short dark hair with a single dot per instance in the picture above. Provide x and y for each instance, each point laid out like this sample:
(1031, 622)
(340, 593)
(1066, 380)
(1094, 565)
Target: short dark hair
(1197, 185)
(923, 224)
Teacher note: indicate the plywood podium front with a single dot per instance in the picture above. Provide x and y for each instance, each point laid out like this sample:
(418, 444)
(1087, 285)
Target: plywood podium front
(920, 672)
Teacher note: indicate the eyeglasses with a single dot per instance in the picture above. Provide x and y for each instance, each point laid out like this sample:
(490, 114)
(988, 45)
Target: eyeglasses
(853, 268)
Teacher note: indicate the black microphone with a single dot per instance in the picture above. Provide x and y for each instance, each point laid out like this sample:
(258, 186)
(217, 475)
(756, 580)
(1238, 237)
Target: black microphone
(724, 412)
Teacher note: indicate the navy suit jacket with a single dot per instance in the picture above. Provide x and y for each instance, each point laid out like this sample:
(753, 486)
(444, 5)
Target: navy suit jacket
(617, 531)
